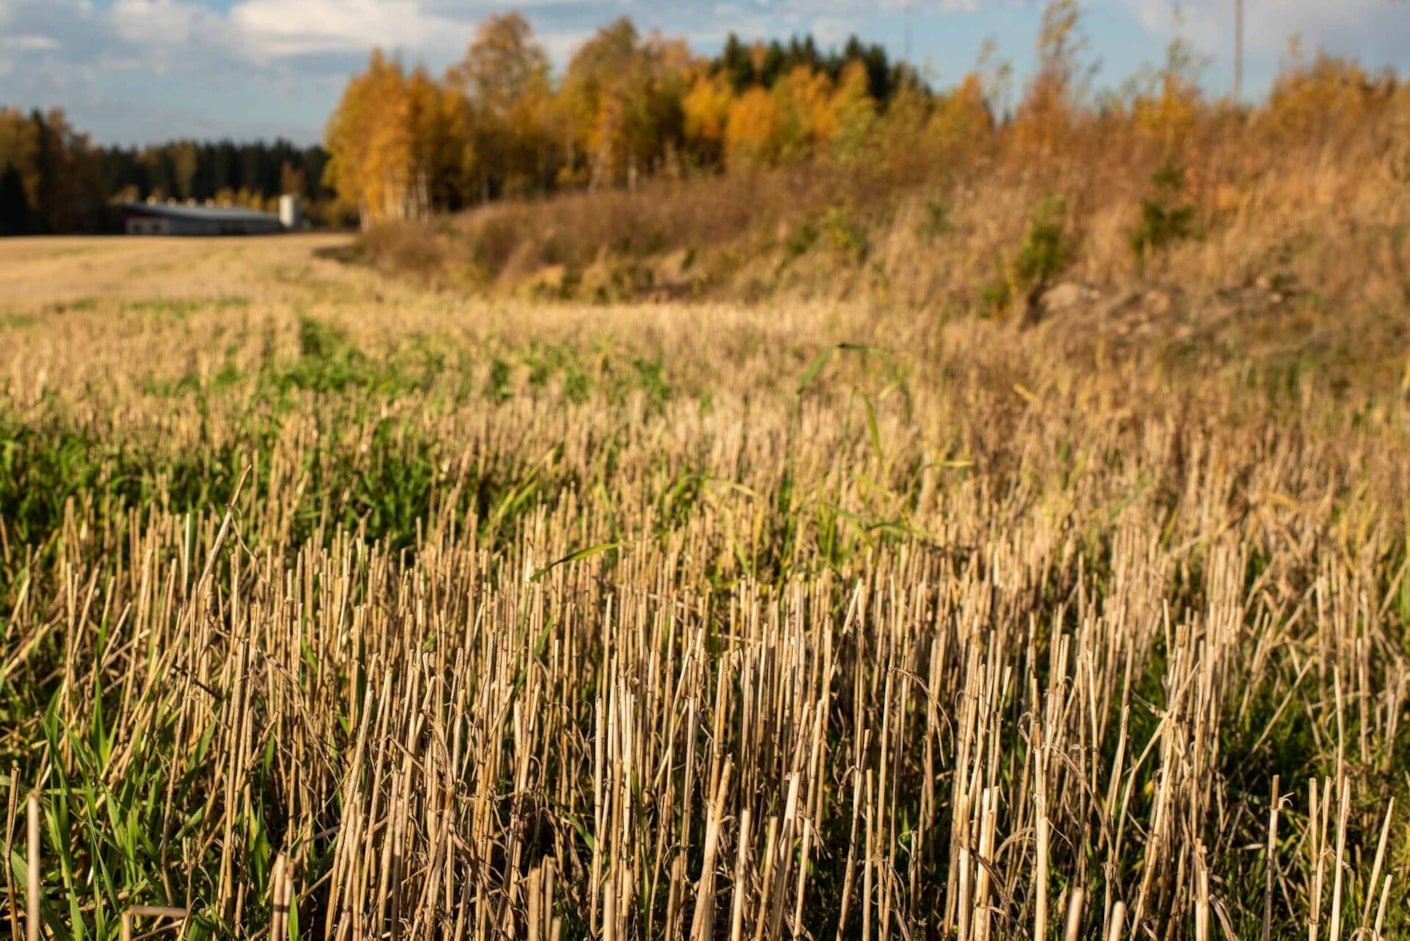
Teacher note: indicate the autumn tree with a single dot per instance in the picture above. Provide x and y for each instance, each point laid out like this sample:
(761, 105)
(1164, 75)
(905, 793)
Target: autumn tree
(505, 80)
(1168, 109)
(1315, 100)
(14, 202)
(1050, 104)
(751, 134)
(439, 127)
(621, 101)
(853, 119)
(795, 118)
(803, 99)
(705, 115)
(960, 122)
(55, 168)
(363, 148)
(397, 143)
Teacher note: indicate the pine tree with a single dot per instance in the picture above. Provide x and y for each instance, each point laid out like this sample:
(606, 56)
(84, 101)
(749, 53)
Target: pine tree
(14, 204)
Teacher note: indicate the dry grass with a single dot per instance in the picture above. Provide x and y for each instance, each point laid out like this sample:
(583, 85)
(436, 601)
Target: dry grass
(687, 236)
(1304, 198)
(334, 607)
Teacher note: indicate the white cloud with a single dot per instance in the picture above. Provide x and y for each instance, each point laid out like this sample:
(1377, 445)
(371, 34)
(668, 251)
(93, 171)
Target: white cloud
(29, 42)
(1377, 30)
(160, 22)
(278, 28)
(560, 46)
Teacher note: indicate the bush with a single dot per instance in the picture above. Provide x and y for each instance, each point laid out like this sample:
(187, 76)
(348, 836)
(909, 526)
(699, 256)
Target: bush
(1045, 252)
(1164, 220)
(406, 247)
(1046, 249)
(844, 235)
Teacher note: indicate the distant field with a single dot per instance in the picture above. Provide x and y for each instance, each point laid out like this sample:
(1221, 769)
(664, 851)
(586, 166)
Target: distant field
(335, 606)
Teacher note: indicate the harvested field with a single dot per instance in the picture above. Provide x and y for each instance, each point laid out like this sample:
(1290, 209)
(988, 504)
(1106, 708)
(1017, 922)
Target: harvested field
(333, 606)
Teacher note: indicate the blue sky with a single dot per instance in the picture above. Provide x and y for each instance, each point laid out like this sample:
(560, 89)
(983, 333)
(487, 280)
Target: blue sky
(135, 71)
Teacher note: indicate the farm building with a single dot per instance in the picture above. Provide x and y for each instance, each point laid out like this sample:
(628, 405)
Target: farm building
(171, 218)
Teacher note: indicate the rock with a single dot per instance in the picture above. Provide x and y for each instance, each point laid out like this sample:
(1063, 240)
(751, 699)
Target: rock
(1159, 303)
(1119, 305)
(1066, 295)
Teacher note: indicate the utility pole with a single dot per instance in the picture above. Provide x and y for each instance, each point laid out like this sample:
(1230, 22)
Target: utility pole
(1238, 50)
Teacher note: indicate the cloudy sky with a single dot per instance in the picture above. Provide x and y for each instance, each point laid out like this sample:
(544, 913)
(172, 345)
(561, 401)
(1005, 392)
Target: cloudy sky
(134, 71)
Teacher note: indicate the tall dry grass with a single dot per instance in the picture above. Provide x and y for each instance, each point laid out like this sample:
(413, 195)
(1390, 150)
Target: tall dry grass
(1305, 196)
(338, 608)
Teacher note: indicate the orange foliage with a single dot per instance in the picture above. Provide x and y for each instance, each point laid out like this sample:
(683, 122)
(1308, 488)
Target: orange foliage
(394, 141)
(706, 112)
(803, 100)
(1312, 101)
(621, 101)
(961, 120)
(785, 123)
(629, 107)
(751, 135)
(1049, 108)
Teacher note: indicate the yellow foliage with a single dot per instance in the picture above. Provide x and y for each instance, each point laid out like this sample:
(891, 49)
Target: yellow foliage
(621, 102)
(803, 101)
(392, 141)
(1169, 115)
(504, 79)
(852, 114)
(706, 110)
(900, 136)
(961, 120)
(1330, 93)
(363, 139)
(630, 106)
(1169, 109)
(751, 135)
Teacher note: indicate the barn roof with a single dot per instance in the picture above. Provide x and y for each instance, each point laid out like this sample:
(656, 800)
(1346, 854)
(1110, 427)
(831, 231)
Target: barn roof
(200, 213)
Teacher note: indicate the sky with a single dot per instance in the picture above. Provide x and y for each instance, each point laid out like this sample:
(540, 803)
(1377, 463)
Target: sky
(142, 71)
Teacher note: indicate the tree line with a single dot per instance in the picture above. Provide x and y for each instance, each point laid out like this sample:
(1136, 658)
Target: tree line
(53, 179)
(224, 171)
(498, 123)
(405, 144)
